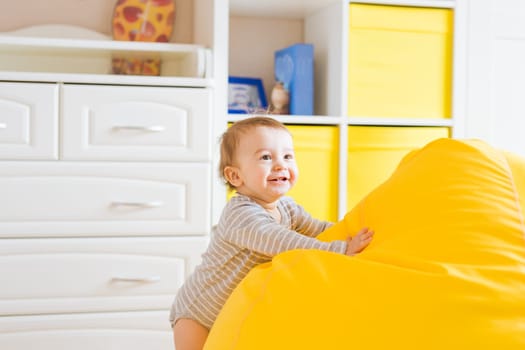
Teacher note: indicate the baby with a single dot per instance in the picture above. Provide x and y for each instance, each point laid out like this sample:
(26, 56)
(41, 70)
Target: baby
(259, 222)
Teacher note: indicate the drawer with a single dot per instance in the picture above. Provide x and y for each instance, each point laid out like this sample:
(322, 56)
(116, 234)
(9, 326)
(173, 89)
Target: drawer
(50, 276)
(104, 199)
(99, 331)
(135, 123)
(28, 121)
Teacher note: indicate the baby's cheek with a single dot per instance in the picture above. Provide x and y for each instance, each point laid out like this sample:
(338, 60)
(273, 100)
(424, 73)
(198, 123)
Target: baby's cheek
(293, 178)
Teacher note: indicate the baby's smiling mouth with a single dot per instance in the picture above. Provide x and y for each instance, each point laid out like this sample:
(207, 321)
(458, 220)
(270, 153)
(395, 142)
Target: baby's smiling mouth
(279, 179)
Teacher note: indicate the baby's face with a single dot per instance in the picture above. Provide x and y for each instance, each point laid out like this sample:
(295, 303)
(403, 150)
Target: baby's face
(266, 162)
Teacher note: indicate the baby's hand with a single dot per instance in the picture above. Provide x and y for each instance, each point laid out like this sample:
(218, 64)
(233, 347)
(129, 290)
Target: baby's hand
(359, 242)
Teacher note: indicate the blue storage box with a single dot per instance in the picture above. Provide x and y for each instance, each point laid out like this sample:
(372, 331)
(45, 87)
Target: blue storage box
(294, 67)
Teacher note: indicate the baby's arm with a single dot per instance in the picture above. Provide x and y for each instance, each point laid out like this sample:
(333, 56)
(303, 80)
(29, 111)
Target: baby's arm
(359, 242)
(248, 226)
(302, 221)
(254, 229)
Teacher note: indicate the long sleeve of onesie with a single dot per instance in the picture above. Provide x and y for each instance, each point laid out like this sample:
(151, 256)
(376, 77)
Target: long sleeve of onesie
(251, 227)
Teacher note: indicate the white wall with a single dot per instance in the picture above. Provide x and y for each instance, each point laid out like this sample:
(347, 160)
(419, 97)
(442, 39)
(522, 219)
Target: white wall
(253, 42)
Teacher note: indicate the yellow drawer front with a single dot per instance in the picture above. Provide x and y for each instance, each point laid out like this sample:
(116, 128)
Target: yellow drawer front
(400, 61)
(375, 152)
(316, 152)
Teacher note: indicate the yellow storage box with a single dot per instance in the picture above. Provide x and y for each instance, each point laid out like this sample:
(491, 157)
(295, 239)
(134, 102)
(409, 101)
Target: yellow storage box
(316, 152)
(400, 61)
(374, 152)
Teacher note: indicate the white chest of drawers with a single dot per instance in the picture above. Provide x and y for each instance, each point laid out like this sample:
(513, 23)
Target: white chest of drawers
(104, 210)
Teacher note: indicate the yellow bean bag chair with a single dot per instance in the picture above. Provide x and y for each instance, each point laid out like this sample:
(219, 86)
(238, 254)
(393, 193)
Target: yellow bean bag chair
(446, 269)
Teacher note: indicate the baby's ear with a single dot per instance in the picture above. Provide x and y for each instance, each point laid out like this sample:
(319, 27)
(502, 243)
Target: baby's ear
(231, 174)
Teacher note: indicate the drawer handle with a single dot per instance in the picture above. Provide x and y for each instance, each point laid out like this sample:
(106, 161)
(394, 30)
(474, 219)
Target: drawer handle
(153, 128)
(3, 126)
(155, 204)
(151, 279)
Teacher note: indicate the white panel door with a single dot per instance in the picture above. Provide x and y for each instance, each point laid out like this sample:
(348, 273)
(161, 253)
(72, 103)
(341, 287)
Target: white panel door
(496, 73)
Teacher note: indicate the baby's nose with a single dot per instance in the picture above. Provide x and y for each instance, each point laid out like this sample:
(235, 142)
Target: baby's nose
(279, 164)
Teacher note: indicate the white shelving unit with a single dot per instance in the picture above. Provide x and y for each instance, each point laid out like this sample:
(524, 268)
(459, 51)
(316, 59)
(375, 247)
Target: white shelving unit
(325, 24)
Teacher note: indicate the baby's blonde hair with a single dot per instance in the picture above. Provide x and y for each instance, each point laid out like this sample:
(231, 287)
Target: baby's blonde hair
(232, 136)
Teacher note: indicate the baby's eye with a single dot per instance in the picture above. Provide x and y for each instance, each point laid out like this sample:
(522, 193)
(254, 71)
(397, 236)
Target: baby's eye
(266, 157)
(288, 156)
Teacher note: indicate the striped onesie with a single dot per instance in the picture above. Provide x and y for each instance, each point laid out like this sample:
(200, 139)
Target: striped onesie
(246, 236)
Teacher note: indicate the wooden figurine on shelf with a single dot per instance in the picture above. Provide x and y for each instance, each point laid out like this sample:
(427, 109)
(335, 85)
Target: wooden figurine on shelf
(279, 99)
